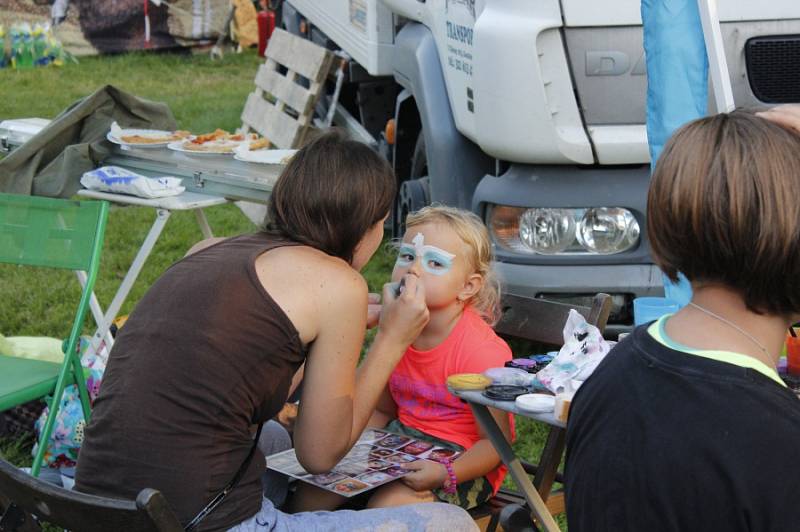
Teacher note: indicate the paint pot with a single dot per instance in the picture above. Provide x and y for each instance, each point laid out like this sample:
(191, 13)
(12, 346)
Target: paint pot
(468, 381)
(500, 392)
(537, 403)
(509, 376)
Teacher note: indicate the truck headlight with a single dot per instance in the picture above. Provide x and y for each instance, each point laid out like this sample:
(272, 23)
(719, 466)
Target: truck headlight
(550, 231)
(547, 231)
(607, 230)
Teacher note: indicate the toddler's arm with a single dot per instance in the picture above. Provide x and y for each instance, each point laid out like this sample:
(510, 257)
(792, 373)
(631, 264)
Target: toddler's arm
(385, 411)
(476, 462)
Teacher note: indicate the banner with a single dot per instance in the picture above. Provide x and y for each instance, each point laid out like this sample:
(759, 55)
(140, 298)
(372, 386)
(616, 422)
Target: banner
(112, 26)
(677, 68)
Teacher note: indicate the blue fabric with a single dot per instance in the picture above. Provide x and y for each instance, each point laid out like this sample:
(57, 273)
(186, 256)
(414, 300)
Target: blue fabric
(424, 517)
(677, 68)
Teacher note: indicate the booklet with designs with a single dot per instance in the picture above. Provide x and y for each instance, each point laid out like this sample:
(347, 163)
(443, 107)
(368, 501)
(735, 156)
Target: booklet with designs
(374, 460)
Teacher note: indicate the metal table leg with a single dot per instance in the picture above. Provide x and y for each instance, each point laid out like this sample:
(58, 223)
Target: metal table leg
(534, 500)
(162, 215)
(202, 221)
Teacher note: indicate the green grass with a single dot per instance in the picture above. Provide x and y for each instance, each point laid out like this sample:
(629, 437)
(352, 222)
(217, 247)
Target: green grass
(203, 95)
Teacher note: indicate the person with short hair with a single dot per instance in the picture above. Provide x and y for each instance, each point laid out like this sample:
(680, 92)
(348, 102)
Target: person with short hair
(686, 425)
(209, 353)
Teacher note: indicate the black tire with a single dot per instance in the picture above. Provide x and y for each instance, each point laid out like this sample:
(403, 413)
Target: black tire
(414, 192)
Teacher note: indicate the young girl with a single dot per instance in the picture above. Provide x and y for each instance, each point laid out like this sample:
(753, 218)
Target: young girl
(449, 251)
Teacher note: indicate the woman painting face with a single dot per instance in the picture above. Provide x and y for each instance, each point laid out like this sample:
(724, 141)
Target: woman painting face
(368, 245)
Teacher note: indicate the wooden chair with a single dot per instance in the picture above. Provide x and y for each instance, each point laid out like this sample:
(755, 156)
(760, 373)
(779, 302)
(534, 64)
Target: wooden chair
(541, 321)
(53, 233)
(26, 500)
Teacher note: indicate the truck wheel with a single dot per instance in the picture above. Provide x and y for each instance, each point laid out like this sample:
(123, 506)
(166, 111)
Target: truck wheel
(414, 193)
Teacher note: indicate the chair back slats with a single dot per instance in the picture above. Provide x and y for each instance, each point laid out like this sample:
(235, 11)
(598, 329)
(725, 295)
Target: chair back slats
(48, 232)
(88, 513)
(540, 320)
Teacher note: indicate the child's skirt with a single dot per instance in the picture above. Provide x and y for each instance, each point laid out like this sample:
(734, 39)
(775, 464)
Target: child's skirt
(470, 493)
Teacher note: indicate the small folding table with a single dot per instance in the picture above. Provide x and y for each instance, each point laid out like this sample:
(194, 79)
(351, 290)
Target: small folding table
(187, 201)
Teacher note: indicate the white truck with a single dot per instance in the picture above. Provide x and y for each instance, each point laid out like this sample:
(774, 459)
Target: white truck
(532, 114)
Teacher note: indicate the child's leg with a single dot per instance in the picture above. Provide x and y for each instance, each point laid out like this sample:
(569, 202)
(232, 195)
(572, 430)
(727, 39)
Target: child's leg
(308, 498)
(398, 494)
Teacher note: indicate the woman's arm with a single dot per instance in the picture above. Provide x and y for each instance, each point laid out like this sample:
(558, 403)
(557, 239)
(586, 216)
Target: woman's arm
(336, 404)
(476, 462)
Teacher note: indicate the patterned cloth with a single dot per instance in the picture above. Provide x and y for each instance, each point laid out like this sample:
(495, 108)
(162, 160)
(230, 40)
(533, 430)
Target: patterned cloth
(68, 431)
(470, 493)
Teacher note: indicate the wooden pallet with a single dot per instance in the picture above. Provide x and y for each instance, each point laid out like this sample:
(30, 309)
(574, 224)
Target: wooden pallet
(282, 105)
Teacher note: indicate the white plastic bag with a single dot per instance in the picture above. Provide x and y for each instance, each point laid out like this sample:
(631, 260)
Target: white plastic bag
(584, 347)
(121, 181)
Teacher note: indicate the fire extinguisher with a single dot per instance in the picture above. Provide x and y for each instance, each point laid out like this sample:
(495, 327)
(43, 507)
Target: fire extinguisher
(266, 25)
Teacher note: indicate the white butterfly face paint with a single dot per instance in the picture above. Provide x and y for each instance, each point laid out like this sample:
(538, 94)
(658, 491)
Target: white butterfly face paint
(435, 260)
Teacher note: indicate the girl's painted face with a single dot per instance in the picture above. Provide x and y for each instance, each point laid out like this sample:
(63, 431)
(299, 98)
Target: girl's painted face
(434, 260)
(439, 258)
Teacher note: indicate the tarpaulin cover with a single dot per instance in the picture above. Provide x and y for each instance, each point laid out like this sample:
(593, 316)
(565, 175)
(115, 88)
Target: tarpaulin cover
(52, 162)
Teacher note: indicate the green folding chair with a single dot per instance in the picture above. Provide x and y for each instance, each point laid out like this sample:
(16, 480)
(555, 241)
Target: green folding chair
(53, 233)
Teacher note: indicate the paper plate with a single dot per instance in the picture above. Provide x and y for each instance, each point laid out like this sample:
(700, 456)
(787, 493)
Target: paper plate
(536, 402)
(142, 132)
(243, 153)
(178, 146)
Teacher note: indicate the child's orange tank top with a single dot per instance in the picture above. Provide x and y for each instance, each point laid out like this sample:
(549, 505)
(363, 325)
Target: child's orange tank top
(418, 384)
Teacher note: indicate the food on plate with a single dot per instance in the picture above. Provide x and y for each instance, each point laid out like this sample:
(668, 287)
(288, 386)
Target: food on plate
(155, 138)
(261, 144)
(219, 141)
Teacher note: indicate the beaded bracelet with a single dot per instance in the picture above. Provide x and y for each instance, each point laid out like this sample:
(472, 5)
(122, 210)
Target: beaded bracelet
(450, 487)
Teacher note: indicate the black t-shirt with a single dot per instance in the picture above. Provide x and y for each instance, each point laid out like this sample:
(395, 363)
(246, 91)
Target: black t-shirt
(658, 440)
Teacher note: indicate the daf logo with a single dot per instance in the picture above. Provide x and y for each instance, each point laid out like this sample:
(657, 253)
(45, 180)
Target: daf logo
(613, 63)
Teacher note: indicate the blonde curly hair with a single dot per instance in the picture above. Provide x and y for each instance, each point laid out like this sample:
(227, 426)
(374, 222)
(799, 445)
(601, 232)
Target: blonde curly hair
(474, 234)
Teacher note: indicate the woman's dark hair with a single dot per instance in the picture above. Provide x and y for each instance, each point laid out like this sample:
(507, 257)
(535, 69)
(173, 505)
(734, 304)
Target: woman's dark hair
(723, 209)
(330, 194)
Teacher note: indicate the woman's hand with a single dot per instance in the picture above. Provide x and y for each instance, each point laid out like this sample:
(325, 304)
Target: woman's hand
(785, 115)
(426, 475)
(373, 309)
(403, 317)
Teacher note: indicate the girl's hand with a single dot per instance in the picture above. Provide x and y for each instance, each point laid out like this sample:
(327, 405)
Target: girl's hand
(373, 309)
(403, 317)
(427, 475)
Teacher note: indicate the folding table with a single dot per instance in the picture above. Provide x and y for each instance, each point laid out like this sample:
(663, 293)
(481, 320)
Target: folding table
(479, 405)
(164, 206)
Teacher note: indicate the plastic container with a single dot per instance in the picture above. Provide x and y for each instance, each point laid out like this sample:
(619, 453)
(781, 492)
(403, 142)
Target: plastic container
(647, 309)
(3, 57)
(793, 355)
(680, 292)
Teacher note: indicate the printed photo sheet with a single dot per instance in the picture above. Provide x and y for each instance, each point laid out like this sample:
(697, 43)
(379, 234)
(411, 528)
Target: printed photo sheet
(374, 460)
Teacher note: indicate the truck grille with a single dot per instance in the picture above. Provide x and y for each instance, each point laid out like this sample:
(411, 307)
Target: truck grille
(773, 68)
